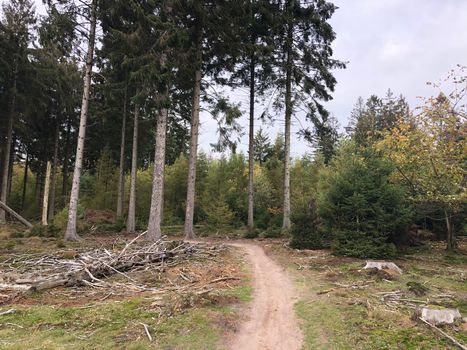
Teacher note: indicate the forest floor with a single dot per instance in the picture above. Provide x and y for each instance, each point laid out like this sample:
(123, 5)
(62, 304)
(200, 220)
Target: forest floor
(248, 295)
(342, 306)
(198, 303)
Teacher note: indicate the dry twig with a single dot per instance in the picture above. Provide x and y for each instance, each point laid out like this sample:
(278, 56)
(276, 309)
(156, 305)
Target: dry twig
(444, 334)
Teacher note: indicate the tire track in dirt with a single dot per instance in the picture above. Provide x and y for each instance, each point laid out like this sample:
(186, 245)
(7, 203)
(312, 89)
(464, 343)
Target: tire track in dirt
(272, 323)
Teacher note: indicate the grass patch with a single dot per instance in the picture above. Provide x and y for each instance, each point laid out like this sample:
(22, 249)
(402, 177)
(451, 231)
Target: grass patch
(46, 320)
(108, 326)
(330, 325)
(241, 293)
(349, 314)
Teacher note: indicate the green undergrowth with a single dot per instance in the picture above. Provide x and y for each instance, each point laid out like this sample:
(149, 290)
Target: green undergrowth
(327, 325)
(119, 325)
(242, 293)
(337, 317)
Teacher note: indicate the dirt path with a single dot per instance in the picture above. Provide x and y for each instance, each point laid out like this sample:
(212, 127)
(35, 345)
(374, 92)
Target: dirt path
(272, 323)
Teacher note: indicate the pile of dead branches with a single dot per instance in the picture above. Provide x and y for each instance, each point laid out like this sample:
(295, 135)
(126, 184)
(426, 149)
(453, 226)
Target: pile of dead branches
(40, 272)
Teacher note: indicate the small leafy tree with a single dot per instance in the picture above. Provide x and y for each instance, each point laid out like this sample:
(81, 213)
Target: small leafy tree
(430, 152)
(360, 206)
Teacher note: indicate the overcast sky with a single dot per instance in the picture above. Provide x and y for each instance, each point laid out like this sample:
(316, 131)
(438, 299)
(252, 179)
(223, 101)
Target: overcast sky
(396, 44)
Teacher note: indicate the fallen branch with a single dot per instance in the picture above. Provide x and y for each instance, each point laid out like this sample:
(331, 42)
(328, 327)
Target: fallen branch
(146, 329)
(443, 333)
(8, 312)
(14, 286)
(223, 279)
(325, 291)
(16, 215)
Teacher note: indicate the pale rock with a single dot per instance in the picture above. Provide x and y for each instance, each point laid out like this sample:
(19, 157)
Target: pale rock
(382, 265)
(440, 316)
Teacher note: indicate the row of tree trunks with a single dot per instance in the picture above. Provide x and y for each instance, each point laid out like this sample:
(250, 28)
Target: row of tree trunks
(8, 145)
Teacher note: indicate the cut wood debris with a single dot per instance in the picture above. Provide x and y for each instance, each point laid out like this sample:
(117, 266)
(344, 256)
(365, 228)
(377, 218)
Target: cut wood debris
(33, 272)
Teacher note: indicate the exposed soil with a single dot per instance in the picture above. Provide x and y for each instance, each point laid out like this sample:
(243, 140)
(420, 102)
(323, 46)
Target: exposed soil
(272, 323)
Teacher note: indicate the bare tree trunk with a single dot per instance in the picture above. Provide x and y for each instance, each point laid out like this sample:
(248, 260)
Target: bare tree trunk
(121, 170)
(7, 148)
(70, 234)
(251, 158)
(14, 214)
(157, 198)
(45, 201)
(65, 163)
(288, 116)
(131, 220)
(53, 176)
(25, 181)
(190, 197)
(37, 185)
(40, 190)
(450, 241)
(11, 166)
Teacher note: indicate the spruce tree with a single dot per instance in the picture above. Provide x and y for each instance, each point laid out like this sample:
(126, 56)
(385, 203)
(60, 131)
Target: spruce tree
(213, 50)
(305, 55)
(255, 71)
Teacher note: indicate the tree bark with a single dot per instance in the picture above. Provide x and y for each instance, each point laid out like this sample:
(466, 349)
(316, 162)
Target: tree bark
(121, 170)
(25, 182)
(53, 176)
(65, 163)
(288, 116)
(251, 158)
(157, 198)
(11, 165)
(190, 198)
(70, 234)
(7, 148)
(131, 219)
(45, 201)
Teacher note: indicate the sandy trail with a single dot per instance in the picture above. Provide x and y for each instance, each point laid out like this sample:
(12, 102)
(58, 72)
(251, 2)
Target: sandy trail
(272, 322)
